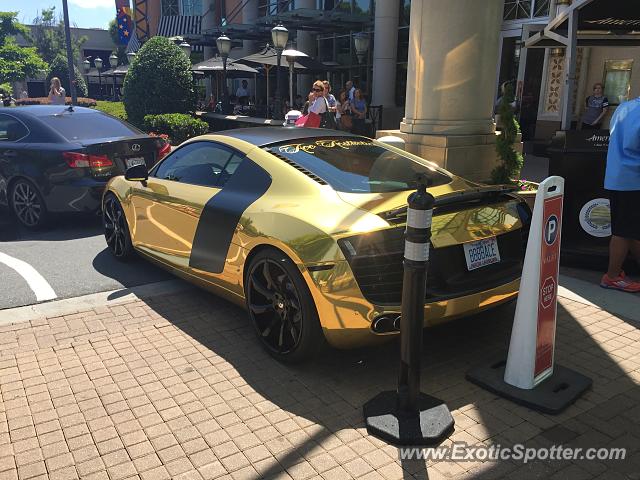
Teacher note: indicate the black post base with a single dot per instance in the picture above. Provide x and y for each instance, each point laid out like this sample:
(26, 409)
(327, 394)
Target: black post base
(552, 396)
(428, 426)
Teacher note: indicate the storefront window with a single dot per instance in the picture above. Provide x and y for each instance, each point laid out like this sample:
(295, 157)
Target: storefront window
(401, 83)
(191, 7)
(170, 8)
(617, 80)
(405, 12)
(403, 44)
(516, 9)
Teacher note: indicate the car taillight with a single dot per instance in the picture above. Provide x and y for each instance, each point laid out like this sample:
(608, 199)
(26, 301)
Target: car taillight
(81, 160)
(163, 150)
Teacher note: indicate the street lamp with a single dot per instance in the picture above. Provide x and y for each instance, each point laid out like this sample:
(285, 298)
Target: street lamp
(291, 60)
(186, 48)
(98, 63)
(130, 57)
(113, 63)
(86, 66)
(361, 42)
(224, 47)
(279, 36)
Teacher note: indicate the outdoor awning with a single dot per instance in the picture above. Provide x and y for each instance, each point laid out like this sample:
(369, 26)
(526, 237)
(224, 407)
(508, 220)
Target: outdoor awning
(133, 45)
(600, 22)
(119, 71)
(181, 25)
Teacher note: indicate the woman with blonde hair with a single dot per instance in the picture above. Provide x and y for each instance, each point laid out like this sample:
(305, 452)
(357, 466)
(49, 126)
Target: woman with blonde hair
(56, 92)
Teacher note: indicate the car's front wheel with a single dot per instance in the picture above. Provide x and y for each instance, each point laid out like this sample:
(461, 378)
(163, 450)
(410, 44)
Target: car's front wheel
(27, 204)
(116, 230)
(281, 307)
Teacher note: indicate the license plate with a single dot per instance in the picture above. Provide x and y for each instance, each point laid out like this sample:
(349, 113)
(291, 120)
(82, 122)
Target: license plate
(481, 253)
(133, 161)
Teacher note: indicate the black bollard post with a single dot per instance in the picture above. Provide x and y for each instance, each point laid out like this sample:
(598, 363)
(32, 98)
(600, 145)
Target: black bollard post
(407, 416)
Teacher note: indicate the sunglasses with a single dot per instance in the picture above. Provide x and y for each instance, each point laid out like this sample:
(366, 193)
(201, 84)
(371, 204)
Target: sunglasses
(318, 89)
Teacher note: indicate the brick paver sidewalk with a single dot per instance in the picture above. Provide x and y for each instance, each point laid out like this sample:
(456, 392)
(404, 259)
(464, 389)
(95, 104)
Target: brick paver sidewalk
(178, 387)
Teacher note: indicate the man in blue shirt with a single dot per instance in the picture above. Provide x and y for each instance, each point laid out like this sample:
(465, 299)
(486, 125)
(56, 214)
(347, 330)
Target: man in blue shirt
(622, 180)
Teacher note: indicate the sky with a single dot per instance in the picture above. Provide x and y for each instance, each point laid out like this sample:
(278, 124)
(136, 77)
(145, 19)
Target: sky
(82, 13)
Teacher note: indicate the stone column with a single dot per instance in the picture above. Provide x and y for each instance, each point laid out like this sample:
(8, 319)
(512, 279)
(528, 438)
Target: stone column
(305, 42)
(249, 17)
(385, 53)
(208, 22)
(453, 54)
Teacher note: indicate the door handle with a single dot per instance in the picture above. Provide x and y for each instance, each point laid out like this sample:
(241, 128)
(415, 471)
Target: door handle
(10, 154)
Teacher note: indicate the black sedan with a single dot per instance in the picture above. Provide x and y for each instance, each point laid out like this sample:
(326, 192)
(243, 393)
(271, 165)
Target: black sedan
(56, 159)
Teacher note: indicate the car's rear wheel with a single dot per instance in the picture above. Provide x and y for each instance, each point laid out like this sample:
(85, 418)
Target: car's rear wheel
(281, 307)
(116, 230)
(27, 204)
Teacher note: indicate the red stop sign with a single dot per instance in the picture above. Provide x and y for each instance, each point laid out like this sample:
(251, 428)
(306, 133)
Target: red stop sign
(548, 292)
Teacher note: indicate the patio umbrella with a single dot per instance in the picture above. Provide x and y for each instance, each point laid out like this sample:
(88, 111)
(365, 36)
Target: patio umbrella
(236, 70)
(268, 57)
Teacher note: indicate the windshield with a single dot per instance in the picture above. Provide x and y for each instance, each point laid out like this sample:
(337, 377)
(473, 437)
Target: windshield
(357, 165)
(83, 126)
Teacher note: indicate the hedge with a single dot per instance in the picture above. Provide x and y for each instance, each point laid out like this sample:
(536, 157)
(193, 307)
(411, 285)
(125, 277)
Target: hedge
(178, 126)
(158, 81)
(115, 109)
(82, 101)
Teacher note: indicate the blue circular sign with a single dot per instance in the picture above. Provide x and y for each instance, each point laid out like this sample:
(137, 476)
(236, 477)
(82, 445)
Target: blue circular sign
(551, 230)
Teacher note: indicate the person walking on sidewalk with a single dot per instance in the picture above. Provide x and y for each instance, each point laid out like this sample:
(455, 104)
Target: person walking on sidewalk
(622, 181)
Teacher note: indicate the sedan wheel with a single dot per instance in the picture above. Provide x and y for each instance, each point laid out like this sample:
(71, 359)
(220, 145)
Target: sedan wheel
(116, 231)
(27, 204)
(281, 308)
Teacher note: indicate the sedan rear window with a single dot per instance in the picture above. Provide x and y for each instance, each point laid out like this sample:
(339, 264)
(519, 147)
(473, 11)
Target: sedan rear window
(83, 126)
(357, 165)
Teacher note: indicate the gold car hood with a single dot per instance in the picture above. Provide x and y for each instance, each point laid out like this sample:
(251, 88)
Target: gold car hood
(451, 225)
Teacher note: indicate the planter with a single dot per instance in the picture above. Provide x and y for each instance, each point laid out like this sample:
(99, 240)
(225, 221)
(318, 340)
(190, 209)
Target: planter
(529, 197)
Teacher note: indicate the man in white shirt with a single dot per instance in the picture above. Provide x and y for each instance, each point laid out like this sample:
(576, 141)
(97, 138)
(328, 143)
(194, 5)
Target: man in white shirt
(242, 91)
(351, 90)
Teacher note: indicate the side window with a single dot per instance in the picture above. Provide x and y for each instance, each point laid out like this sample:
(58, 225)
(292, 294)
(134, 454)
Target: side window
(11, 129)
(229, 169)
(200, 163)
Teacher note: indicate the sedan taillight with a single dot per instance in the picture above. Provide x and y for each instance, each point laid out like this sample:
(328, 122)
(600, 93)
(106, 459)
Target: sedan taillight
(81, 160)
(163, 150)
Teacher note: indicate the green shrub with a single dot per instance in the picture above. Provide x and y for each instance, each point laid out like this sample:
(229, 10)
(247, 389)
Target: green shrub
(511, 160)
(115, 109)
(178, 126)
(6, 88)
(58, 68)
(159, 81)
(82, 101)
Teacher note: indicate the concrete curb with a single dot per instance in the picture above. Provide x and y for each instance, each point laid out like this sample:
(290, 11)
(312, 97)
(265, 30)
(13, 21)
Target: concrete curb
(69, 306)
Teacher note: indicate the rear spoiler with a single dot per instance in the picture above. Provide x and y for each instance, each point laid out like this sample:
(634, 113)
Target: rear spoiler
(452, 201)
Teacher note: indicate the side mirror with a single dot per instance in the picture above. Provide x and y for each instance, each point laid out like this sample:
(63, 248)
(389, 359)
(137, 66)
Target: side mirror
(137, 173)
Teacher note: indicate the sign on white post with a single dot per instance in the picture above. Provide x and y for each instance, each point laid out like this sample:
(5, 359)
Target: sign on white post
(531, 350)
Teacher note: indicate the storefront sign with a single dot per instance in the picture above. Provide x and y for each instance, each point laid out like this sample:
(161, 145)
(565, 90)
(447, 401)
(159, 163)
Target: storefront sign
(591, 140)
(595, 217)
(548, 283)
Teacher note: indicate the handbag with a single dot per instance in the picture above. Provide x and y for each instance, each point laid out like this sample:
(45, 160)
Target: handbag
(346, 121)
(310, 120)
(328, 118)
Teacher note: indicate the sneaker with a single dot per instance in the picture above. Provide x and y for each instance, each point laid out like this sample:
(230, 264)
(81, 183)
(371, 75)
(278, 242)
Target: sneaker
(621, 282)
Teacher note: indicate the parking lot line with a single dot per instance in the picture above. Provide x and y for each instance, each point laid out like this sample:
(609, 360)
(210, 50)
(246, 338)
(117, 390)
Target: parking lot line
(36, 282)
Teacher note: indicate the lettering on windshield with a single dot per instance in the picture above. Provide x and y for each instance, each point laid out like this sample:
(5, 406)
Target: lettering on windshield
(326, 143)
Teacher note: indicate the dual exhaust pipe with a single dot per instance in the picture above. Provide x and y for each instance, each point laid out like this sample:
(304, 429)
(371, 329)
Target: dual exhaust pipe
(387, 323)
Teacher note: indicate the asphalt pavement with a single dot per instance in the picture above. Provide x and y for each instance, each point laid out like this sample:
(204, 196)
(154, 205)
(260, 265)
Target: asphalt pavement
(71, 257)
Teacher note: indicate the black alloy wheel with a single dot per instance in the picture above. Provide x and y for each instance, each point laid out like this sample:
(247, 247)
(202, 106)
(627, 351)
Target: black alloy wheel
(116, 231)
(282, 308)
(27, 204)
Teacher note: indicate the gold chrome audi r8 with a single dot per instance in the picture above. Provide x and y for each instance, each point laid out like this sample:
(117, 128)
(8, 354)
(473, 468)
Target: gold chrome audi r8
(305, 228)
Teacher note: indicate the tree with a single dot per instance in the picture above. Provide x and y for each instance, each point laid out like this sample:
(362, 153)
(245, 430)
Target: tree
(16, 63)
(121, 50)
(158, 81)
(48, 36)
(511, 164)
(59, 68)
